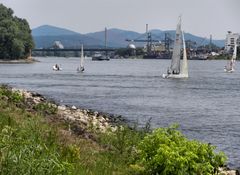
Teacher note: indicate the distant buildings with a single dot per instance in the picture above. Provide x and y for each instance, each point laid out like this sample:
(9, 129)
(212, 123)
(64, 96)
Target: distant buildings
(58, 45)
(231, 39)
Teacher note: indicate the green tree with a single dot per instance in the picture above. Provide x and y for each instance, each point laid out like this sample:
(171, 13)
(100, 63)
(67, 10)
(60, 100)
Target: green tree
(15, 35)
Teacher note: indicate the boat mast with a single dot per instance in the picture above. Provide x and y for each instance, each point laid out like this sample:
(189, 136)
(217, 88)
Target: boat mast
(149, 40)
(106, 41)
(210, 44)
(82, 57)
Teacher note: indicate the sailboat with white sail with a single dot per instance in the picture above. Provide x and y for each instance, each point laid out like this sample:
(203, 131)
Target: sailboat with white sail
(81, 67)
(178, 69)
(231, 63)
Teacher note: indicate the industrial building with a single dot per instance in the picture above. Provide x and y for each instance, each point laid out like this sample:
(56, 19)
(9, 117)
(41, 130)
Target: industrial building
(231, 39)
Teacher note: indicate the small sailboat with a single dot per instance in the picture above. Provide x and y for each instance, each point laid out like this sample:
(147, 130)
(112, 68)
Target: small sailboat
(56, 67)
(178, 69)
(231, 63)
(81, 67)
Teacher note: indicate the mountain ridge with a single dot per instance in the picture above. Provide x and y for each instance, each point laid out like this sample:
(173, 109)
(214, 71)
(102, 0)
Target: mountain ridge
(49, 30)
(45, 35)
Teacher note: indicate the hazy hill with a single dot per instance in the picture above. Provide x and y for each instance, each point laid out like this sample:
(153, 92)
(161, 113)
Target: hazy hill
(116, 36)
(44, 36)
(69, 41)
(47, 30)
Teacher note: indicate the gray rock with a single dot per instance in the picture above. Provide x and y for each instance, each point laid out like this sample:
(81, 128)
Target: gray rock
(62, 108)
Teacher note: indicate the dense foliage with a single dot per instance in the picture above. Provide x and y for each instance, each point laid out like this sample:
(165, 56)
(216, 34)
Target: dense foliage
(167, 152)
(15, 35)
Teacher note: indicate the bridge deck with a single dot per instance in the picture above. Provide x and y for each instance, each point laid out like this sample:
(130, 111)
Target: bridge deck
(65, 50)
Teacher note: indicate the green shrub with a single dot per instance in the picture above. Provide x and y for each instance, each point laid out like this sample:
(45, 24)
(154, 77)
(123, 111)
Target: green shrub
(46, 108)
(16, 97)
(11, 96)
(167, 152)
(122, 142)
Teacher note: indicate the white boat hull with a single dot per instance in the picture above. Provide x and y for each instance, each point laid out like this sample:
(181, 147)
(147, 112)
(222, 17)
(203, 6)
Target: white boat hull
(174, 76)
(56, 69)
(229, 70)
(80, 70)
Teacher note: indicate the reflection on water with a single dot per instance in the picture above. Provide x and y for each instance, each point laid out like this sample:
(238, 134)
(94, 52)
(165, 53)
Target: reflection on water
(205, 105)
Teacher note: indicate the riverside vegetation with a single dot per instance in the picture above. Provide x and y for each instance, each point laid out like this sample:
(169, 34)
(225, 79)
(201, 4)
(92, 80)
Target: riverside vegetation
(15, 36)
(35, 140)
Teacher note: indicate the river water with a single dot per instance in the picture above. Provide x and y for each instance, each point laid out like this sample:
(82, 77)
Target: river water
(206, 106)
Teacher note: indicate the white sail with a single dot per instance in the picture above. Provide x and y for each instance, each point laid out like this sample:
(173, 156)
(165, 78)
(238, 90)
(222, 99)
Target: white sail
(184, 68)
(234, 56)
(231, 64)
(82, 57)
(175, 64)
(81, 67)
(175, 71)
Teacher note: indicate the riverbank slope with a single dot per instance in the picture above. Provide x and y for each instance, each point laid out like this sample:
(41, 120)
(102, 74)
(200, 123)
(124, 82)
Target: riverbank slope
(39, 136)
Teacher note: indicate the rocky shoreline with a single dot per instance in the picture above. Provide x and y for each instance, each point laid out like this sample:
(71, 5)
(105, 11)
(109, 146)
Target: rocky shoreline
(80, 120)
(85, 118)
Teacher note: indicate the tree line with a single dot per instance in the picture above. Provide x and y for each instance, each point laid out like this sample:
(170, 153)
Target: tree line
(15, 35)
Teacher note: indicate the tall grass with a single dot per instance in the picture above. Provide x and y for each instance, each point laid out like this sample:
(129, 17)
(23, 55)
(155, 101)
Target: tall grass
(28, 145)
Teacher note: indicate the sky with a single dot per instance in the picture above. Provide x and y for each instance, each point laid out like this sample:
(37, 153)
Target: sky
(199, 17)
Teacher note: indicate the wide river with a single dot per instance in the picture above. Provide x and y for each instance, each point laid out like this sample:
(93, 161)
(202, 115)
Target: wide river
(206, 105)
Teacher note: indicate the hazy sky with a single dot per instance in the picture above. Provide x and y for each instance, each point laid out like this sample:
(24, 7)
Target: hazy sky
(199, 17)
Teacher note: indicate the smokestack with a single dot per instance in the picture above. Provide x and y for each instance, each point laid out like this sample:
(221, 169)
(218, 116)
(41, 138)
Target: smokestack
(105, 37)
(210, 43)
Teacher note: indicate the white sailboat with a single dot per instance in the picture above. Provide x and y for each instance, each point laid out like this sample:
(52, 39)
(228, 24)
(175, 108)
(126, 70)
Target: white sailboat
(178, 69)
(56, 67)
(81, 67)
(231, 63)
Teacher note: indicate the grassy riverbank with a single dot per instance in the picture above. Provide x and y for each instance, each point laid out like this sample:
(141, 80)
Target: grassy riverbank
(34, 139)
